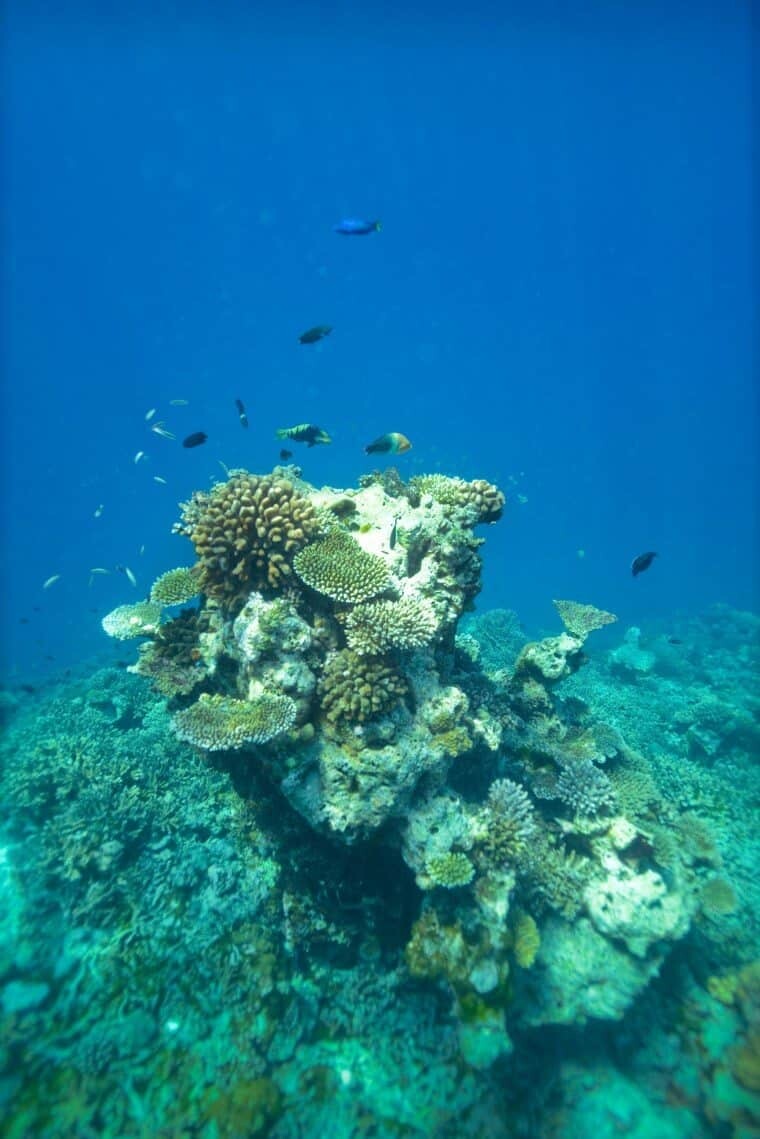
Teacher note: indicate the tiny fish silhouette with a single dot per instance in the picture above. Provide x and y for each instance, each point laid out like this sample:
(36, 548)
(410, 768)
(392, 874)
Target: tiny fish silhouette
(356, 227)
(195, 440)
(642, 562)
(312, 335)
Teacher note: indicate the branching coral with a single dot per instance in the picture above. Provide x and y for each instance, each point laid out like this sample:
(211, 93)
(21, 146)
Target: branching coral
(356, 689)
(510, 821)
(450, 870)
(585, 788)
(246, 532)
(138, 620)
(480, 498)
(176, 586)
(337, 567)
(173, 661)
(220, 723)
(378, 626)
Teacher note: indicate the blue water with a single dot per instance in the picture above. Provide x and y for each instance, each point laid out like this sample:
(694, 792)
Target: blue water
(199, 941)
(560, 294)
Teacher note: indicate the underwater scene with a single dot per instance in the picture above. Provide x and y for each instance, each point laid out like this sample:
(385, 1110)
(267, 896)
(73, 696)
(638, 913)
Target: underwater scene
(380, 607)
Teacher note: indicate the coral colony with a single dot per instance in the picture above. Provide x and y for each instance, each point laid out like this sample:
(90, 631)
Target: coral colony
(385, 828)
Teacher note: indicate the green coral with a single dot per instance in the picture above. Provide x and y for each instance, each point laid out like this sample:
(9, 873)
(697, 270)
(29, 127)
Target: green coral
(138, 620)
(221, 723)
(378, 626)
(450, 870)
(339, 568)
(176, 586)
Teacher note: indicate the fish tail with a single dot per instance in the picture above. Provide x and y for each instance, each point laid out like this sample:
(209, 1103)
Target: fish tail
(283, 432)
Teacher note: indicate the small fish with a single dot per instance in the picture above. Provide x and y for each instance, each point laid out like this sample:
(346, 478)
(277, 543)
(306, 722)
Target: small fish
(157, 478)
(675, 641)
(394, 443)
(159, 429)
(285, 454)
(140, 456)
(142, 550)
(98, 511)
(99, 569)
(307, 433)
(224, 467)
(149, 414)
(393, 535)
(179, 402)
(51, 581)
(312, 335)
(356, 227)
(241, 412)
(127, 573)
(642, 562)
(23, 620)
(28, 688)
(195, 440)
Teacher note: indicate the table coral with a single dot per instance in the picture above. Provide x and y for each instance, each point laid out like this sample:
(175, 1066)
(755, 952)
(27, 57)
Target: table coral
(125, 622)
(580, 619)
(176, 586)
(337, 567)
(219, 723)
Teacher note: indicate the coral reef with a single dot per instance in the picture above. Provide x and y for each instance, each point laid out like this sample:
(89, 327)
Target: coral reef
(360, 871)
(246, 532)
(339, 568)
(176, 586)
(140, 619)
(219, 723)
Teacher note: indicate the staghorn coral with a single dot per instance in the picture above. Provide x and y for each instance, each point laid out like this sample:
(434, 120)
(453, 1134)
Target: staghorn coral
(580, 619)
(246, 532)
(176, 586)
(356, 689)
(337, 567)
(220, 723)
(450, 870)
(127, 621)
(378, 626)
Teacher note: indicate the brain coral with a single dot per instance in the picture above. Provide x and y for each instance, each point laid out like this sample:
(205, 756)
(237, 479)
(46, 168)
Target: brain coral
(176, 586)
(246, 532)
(378, 626)
(480, 498)
(138, 620)
(338, 567)
(357, 689)
(221, 723)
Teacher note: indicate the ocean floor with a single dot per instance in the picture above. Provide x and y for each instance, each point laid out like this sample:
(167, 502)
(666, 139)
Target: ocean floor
(183, 955)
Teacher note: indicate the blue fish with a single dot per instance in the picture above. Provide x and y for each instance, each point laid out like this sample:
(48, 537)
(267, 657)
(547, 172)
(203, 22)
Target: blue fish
(357, 226)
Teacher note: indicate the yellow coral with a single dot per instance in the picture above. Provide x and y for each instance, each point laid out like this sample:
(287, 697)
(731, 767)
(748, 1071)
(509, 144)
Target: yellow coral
(220, 723)
(176, 586)
(378, 626)
(527, 941)
(128, 621)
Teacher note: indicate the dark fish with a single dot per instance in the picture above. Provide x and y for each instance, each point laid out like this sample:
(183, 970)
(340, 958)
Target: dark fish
(195, 439)
(48, 656)
(285, 455)
(241, 412)
(356, 227)
(23, 620)
(642, 562)
(36, 608)
(28, 688)
(675, 641)
(307, 433)
(393, 534)
(394, 443)
(312, 335)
